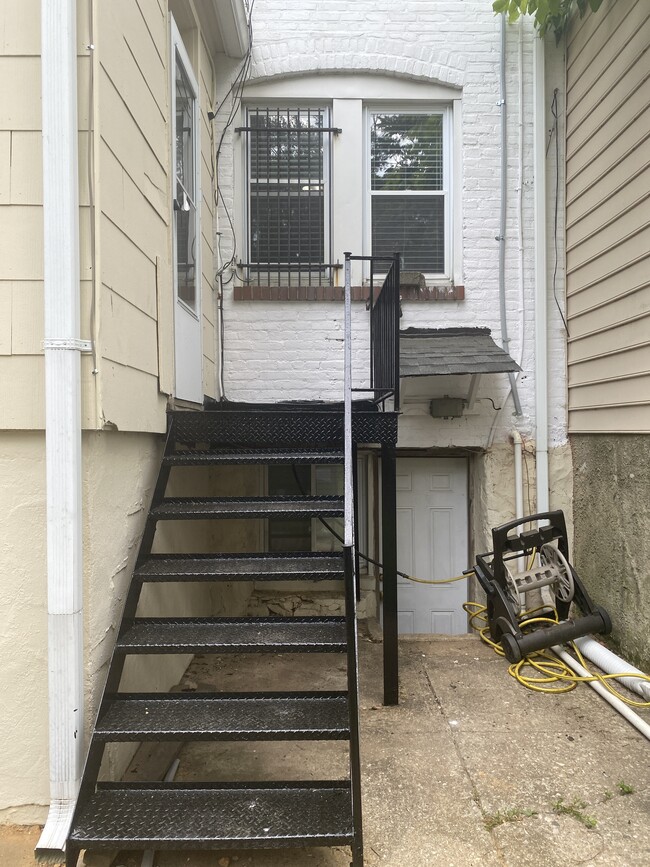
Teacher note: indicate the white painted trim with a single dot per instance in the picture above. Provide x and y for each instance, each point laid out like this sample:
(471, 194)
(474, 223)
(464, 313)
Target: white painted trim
(188, 321)
(62, 415)
(449, 181)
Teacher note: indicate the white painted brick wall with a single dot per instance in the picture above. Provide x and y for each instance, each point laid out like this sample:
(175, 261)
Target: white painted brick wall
(277, 351)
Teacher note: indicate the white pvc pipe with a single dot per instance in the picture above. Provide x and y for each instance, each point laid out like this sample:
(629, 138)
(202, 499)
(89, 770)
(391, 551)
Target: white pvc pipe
(612, 664)
(62, 348)
(519, 476)
(616, 703)
(505, 340)
(541, 350)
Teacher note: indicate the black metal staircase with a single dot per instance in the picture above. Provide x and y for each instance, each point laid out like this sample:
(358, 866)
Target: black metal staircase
(233, 815)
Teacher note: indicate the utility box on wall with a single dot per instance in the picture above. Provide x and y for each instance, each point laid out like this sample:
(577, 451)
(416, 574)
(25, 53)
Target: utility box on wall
(447, 407)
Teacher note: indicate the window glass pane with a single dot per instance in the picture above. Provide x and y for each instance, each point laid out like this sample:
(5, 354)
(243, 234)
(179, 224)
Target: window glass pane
(185, 207)
(406, 152)
(288, 151)
(286, 224)
(413, 226)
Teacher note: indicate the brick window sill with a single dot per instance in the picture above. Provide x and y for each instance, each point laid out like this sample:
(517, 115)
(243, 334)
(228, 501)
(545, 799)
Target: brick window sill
(335, 293)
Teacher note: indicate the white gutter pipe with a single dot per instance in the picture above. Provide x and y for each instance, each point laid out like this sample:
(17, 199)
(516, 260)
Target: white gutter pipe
(541, 350)
(501, 238)
(616, 703)
(519, 476)
(62, 415)
(612, 664)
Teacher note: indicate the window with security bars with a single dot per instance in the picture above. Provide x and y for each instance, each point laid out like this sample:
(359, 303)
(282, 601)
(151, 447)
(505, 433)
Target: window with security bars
(409, 189)
(288, 196)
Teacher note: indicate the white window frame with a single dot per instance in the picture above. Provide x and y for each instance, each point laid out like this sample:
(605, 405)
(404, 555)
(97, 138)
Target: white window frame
(179, 53)
(446, 111)
(290, 104)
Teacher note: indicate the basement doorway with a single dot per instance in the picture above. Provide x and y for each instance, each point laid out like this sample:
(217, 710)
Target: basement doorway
(432, 543)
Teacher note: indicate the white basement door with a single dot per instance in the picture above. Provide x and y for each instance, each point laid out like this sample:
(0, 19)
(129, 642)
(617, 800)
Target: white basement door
(431, 544)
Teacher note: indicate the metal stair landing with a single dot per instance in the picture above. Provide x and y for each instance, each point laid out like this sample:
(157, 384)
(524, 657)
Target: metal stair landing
(243, 815)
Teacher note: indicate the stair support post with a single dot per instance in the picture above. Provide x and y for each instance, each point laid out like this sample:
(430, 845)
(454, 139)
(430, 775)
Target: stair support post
(389, 556)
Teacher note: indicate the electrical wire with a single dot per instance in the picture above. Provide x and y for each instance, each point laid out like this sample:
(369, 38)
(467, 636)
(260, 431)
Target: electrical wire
(555, 113)
(235, 91)
(370, 559)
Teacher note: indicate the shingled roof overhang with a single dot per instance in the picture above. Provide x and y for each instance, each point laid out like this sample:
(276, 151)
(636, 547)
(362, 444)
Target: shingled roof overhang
(450, 352)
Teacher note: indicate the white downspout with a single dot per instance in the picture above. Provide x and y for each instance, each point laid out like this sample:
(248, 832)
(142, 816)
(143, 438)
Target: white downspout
(613, 664)
(501, 238)
(624, 710)
(62, 414)
(519, 476)
(541, 351)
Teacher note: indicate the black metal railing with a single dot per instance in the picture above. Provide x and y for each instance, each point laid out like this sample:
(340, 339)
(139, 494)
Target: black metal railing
(385, 312)
(351, 572)
(384, 334)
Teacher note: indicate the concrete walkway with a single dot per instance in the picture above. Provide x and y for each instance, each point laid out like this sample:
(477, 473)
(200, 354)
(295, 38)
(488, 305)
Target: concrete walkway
(470, 769)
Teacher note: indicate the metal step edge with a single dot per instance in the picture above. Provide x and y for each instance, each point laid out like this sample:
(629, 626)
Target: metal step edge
(155, 704)
(160, 815)
(232, 567)
(175, 508)
(244, 567)
(263, 645)
(201, 458)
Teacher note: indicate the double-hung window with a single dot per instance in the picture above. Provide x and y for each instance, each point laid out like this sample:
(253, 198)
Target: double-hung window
(288, 196)
(409, 188)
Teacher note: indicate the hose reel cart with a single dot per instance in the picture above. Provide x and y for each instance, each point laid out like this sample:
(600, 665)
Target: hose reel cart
(536, 560)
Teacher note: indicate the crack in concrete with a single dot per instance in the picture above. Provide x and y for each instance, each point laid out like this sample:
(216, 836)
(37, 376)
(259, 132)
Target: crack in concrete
(474, 789)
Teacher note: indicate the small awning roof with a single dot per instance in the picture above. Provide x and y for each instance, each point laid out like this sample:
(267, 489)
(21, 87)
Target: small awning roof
(451, 351)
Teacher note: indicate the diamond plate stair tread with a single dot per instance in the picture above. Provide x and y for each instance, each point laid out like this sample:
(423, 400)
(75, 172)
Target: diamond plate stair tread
(239, 567)
(234, 635)
(253, 456)
(248, 507)
(168, 817)
(267, 716)
(257, 427)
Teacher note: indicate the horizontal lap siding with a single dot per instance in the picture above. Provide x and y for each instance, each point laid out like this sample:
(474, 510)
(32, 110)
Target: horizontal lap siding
(608, 220)
(22, 368)
(134, 203)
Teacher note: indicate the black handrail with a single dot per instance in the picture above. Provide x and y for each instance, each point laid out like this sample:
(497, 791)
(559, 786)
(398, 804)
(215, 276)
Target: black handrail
(384, 307)
(351, 577)
(384, 334)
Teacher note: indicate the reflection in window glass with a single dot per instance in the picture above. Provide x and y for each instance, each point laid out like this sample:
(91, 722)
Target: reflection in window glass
(407, 189)
(185, 188)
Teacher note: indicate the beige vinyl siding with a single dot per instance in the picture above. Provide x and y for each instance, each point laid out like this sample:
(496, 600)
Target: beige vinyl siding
(22, 371)
(133, 209)
(608, 219)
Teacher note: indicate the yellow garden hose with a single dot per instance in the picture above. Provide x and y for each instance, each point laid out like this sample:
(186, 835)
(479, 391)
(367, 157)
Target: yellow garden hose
(549, 669)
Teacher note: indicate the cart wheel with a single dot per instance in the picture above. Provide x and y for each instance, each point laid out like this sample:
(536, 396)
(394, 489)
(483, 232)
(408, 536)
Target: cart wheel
(510, 647)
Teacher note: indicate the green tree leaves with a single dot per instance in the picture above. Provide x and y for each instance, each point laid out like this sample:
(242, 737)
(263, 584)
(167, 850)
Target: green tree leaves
(548, 15)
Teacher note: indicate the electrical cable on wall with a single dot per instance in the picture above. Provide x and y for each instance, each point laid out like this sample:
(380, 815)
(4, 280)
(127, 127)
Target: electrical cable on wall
(554, 130)
(236, 92)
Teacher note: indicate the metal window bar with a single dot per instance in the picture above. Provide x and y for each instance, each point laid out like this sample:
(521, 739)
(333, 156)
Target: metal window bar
(289, 183)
